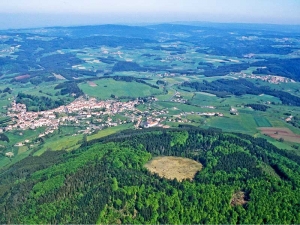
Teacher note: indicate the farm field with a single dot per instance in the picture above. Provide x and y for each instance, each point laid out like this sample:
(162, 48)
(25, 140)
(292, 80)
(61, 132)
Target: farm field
(107, 87)
(205, 99)
(262, 121)
(289, 146)
(5, 162)
(242, 124)
(109, 131)
(179, 107)
(166, 97)
(281, 133)
(19, 136)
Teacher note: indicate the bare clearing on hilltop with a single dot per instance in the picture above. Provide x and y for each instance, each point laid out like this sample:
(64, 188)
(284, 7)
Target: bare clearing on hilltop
(172, 167)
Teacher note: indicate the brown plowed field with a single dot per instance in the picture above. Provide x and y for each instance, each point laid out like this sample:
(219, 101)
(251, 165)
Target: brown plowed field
(280, 132)
(22, 77)
(92, 84)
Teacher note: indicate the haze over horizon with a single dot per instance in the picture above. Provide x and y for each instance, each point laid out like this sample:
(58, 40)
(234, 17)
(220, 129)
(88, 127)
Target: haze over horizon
(34, 13)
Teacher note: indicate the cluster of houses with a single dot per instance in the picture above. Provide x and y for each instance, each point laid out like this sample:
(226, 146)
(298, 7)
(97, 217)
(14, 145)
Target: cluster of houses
(166, 74)
(74, 112)
(234, 111)
(174, 58)
(268, 78)
(9, 154)
(150, 123)
(10, 49)
(178, 98)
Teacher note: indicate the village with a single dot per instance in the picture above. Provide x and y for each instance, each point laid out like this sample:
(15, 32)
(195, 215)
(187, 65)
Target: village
(94, 115)
(268, 78)
(75, 113)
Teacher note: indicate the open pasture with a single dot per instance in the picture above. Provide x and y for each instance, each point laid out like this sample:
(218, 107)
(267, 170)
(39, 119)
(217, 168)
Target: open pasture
(179, 106)
(16, 136)
(107, 87)
(109, 131)
(241, 123)
(57, 143)
(202, 98)
(166, 97)
(250, 99)
(92, 84)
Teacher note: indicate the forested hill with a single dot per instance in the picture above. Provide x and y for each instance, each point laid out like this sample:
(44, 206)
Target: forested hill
(244, 180)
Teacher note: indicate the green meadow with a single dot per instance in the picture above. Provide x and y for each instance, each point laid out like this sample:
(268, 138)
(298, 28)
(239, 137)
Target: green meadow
(179, 106)
(262, 121)
(107, 87)
(241, 123)
(109, 131)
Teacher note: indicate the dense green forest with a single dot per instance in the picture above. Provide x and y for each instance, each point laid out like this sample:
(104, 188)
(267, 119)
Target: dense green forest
(3, 137)
(210, 71)
(258, 107)
(105, 181)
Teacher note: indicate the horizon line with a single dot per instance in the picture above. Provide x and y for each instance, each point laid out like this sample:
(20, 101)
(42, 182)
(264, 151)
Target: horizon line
(144, 24)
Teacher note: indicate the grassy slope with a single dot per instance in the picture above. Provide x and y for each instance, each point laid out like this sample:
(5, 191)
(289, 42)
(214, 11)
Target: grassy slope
(70, 142)
(109, 131)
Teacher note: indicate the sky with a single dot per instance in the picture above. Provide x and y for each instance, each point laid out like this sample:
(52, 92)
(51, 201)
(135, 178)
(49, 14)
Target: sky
(39, 13)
